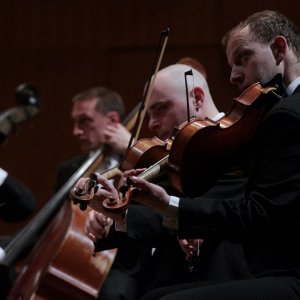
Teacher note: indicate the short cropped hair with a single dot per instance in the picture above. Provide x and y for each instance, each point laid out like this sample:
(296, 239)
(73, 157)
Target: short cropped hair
(267, 24)
(107, 100)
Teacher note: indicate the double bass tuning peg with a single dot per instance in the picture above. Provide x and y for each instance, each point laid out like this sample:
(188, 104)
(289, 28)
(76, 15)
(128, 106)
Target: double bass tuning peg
(26, 94)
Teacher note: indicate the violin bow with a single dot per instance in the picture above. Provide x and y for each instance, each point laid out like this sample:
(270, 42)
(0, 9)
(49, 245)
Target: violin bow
(149, 87)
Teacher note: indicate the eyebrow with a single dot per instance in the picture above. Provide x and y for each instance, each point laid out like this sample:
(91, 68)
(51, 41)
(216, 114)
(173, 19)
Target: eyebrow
(157, 104)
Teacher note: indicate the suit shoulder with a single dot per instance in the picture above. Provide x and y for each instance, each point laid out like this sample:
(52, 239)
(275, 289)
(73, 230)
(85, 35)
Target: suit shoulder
(75, 161)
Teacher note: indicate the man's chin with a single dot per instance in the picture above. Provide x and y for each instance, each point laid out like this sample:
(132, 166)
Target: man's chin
(163, 137)
(244, 87)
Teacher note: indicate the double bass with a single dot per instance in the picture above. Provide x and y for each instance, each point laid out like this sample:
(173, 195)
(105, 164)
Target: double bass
(49, 272)
(61, 264)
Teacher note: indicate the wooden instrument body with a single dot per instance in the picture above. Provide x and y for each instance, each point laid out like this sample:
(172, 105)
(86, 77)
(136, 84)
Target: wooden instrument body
(62, 265)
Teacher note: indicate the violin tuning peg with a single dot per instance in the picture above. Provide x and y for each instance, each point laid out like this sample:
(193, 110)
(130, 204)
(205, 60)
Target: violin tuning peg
(93, 176)
(83, 206)
(75, 202)
(78, 192)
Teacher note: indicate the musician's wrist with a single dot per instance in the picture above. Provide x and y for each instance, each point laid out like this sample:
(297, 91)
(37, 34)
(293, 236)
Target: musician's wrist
(121, 222)
(3, 176)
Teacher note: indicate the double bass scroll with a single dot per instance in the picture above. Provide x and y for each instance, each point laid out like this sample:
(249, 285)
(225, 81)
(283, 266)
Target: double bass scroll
(28, 100)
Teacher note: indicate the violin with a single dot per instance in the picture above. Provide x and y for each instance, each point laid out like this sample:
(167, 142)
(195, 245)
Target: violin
(84, 195)
(206, 146)
(213, 147)
(150, 153)
(28, 102)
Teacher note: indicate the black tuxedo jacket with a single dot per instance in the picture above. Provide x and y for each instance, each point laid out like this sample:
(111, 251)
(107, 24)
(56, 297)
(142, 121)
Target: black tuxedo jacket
(266, 218)
(219, 260)
(16, 201)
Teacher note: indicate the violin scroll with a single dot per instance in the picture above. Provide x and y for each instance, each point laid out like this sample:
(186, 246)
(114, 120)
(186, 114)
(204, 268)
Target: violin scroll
(128, 192)
(85, 194)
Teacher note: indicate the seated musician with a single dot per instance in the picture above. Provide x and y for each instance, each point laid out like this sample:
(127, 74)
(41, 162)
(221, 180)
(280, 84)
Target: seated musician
(265, 219)
(97, 114)
(167, 108)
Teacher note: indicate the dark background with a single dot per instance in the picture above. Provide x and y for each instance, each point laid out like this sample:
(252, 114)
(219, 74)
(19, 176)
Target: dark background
(63, 47)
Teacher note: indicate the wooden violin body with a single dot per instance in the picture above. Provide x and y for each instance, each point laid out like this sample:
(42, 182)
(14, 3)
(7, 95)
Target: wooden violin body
(203, 149)
(146, 153)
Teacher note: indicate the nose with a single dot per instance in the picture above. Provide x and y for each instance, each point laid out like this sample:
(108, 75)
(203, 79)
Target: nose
(236, 76)
(153, 124)
(76, 130)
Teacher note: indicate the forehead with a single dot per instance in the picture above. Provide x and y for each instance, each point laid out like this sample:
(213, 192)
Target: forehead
(85, 104)
(162, 95)
(84, 107)
(239, 39)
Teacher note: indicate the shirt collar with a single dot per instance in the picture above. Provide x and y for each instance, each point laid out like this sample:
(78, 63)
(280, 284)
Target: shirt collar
(218, 116)
(291, 88)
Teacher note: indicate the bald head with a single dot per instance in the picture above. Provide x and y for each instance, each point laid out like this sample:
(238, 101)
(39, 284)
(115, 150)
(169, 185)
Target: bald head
(172, 77)
(168, 106)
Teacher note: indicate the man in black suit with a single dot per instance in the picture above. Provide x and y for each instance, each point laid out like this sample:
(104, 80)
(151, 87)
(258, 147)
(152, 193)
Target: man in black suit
(97, 114)
(16, 201)
(266, 219)
(144, 226)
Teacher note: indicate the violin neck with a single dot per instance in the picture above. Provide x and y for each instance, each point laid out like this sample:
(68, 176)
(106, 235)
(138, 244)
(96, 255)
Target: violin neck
(155, 170)
(112, 173)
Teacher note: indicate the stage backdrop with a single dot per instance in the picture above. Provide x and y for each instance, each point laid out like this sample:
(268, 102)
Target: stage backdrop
(63, 47)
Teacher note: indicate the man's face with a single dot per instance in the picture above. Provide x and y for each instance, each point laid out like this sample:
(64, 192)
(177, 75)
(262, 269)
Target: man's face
(250, 61)
(167, 108)
(89, 125)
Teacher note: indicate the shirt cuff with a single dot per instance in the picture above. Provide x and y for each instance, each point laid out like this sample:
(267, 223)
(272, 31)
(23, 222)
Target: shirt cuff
(122, 225)
(171, 216)
(3, 175)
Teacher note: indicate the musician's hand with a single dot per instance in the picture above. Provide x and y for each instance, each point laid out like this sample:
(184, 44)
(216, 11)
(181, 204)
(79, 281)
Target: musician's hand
(152, 195)
(97, 225)
(190, 247)
(117, 137)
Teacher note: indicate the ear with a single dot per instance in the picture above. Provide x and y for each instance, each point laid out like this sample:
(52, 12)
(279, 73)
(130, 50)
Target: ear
(198, 94)
(279, 48)
(113, 117)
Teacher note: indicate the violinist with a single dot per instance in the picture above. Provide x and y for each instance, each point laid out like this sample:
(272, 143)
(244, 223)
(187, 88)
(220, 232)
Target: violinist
(97, 114)
(167, 108)
(265, 220)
